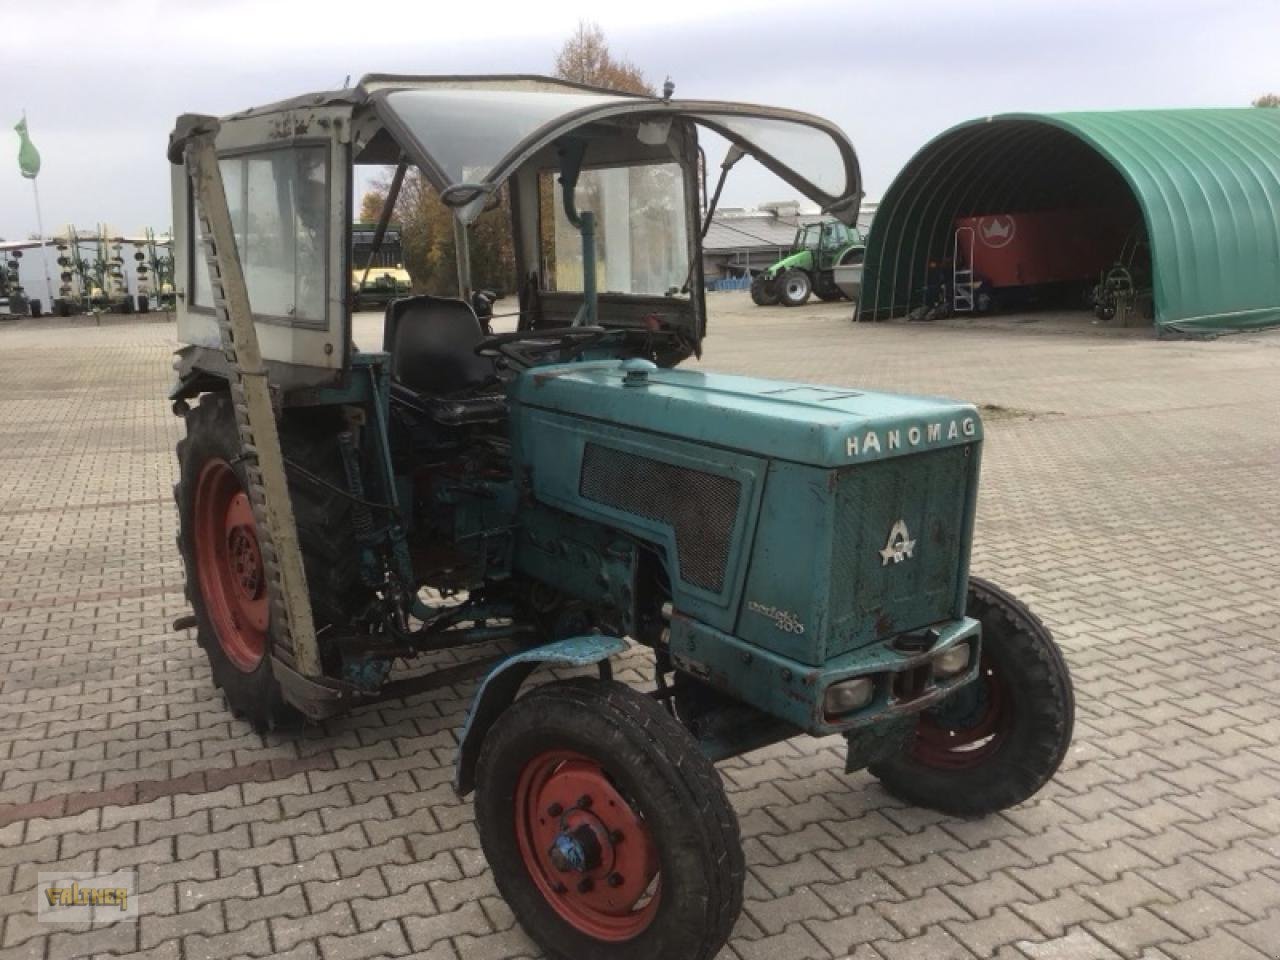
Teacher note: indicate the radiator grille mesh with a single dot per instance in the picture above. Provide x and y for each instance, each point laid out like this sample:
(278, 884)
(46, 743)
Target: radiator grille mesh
(700, 507)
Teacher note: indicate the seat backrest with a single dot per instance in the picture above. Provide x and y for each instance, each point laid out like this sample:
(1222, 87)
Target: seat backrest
(432, 342)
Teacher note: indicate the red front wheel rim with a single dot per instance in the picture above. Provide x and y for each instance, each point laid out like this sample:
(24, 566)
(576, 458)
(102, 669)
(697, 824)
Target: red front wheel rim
(585, 845)
(966, 732)
(229, 565)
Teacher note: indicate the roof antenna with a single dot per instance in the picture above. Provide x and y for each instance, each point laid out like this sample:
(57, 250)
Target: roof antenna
(668, 89)
(346, 84)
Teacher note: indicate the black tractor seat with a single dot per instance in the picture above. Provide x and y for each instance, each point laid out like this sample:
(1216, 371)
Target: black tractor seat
(432, 342)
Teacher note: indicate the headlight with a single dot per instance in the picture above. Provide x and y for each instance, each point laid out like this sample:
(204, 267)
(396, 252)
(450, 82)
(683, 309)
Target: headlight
(952, 662)
(848, 696)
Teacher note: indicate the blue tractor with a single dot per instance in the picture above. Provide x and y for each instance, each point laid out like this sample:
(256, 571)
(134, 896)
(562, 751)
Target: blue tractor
(781, 559)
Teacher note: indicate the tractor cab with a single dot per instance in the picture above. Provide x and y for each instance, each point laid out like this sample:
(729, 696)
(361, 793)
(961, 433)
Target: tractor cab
(825, 238)
(605, 190)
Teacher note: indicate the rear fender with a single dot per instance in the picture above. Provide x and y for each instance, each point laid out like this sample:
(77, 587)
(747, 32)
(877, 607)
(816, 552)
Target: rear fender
(499, 688)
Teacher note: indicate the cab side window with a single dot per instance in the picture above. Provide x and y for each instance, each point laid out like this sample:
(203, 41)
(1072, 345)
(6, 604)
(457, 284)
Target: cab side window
(279, 205)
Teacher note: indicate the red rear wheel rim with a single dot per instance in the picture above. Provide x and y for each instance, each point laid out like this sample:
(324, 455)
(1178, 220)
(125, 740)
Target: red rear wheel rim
(229, 565)
(964, 734)
(589, 851)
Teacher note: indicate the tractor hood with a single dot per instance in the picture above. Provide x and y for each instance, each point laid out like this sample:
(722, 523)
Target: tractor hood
(801, 258)
(800, 423)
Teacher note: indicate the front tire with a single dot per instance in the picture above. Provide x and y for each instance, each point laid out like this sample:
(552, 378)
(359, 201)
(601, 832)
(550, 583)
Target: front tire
(994, 743)
(607, 830)
(763, 291)
(794, 288)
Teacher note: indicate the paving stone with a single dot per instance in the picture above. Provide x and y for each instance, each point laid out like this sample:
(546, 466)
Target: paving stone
(794, 942)
(425, 932)
(337, 921)
(936, 944)
(252, 941)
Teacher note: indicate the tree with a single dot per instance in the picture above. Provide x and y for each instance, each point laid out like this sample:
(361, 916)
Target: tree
(372, 202)
(585, 58)
(1268, 100)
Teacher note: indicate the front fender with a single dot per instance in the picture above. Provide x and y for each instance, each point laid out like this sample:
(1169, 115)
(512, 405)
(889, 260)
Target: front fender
(499, 688)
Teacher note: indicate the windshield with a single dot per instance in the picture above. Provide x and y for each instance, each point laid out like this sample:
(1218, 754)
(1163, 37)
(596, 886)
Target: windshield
(641, 236)
(809, 151)
(467, 132)
(479, 137)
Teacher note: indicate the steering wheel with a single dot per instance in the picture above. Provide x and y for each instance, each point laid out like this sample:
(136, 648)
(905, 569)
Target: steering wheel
(523, 347)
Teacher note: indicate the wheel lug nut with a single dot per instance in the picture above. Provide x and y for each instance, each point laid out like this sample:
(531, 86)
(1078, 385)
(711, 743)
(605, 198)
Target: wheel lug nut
(555, 810)
(584, 802)
(585, 885)
(615, 880)
(559, 887)
(615, 836)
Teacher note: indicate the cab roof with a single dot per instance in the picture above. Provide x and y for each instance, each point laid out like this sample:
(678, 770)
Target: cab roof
(469, 134)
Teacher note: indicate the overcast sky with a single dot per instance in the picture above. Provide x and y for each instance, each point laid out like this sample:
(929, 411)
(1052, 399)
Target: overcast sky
(102, 81)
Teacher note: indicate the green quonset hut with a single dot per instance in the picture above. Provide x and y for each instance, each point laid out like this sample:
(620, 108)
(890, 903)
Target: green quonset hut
(1205, 183)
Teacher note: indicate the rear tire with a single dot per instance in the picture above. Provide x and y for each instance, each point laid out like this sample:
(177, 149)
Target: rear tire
(663, 872)
(994, 743)
(826, 288)
(225, 578)
(794, 288)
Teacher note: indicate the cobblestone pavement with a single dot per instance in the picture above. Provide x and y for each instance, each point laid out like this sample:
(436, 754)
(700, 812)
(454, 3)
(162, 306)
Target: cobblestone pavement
(1130, 494)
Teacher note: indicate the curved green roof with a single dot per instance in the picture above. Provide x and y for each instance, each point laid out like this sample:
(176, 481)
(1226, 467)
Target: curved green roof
(1206, 184)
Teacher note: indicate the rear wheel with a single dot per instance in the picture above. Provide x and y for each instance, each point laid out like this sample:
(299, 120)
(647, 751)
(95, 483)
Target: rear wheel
(794, 288)
(227, 583)
(995, 742)
(763, 292)
(607, 829)
(826, 288)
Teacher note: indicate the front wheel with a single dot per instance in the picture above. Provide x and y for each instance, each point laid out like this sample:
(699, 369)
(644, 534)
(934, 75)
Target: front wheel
(607, 829)
(995, 742)
(794, 288)
(763, 293)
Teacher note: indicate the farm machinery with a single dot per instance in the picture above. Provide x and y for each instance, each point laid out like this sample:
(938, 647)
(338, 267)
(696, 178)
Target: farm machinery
(379, 276)
(93, 275)
(13, 295)
(152, 270)
(782, 559)
(809, 267)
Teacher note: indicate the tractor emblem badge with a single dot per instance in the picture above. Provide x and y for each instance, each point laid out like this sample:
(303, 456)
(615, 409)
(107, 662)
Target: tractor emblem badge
(996, 231)
(900, 546)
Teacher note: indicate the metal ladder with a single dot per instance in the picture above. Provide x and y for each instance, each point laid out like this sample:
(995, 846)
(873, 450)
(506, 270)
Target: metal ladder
(292, 628)
(962, 284)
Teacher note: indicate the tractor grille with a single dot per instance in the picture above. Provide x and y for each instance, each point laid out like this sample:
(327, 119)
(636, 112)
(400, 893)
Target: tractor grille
(872, 596)
(700, 507)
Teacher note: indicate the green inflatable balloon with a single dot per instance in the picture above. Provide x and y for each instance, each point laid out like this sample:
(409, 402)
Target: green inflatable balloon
(28, 155)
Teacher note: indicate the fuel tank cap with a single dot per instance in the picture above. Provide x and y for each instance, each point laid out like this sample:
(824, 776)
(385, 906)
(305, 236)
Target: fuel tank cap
(636, 371)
